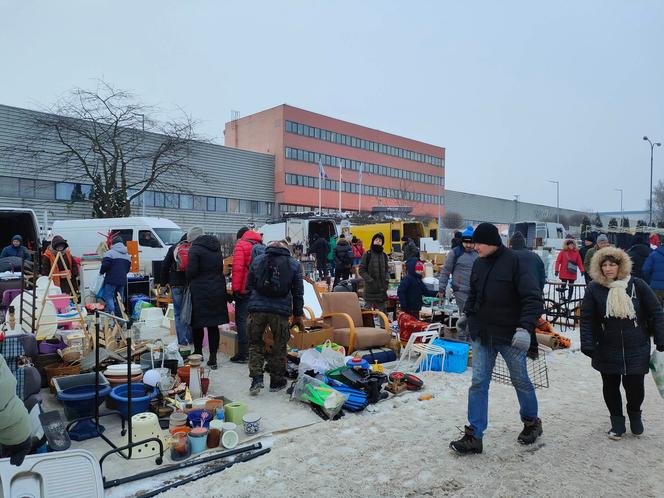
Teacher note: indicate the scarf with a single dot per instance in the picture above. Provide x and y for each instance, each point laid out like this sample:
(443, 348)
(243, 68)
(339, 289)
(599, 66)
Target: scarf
(376, 248)
(618, 303)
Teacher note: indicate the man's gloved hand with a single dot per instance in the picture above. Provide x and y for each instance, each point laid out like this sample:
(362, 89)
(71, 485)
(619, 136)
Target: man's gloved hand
(18, 452)
(660, 348)
(521, 339)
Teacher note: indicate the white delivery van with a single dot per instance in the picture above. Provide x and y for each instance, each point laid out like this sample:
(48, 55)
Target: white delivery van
(539, 234)
(300, 230)
(154, 236)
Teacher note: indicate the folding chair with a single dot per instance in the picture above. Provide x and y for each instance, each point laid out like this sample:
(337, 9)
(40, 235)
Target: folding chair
(425, 349)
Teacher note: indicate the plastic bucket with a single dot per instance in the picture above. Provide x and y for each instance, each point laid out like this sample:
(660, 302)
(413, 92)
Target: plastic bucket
(79, 401)
(140, 401)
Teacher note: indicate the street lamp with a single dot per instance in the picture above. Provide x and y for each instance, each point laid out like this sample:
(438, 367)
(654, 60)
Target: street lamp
(557, 199)
(621, 203)
(652, 146)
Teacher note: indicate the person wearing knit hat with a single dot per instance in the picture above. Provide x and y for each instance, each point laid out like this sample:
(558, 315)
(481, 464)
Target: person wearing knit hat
(375, 272)
(530, 259)
(653, 272)
(412, 289)
(16, 249)
(410, 249)
(502, 310)
(459, 264)
(638, 253)
(602, 241)
(194, 233)
(618, 315)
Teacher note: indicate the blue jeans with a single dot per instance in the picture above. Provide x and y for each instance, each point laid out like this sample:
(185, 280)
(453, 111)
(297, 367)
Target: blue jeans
(484, 359)
(183, 330)
(241, 314)
(110, 292)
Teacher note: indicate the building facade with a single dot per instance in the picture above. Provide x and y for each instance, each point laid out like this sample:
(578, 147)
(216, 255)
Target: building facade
(232, 188)
(372, 167)
(475, 208)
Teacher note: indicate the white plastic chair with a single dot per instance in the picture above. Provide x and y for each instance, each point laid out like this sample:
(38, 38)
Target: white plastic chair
(425, 350)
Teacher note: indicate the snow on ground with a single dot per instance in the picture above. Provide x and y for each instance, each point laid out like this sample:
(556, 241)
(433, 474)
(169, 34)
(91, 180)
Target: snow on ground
(401, 448)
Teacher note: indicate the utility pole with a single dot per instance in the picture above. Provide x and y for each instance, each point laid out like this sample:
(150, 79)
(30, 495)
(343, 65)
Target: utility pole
(621, 203)
(557, 199)
(652, 147)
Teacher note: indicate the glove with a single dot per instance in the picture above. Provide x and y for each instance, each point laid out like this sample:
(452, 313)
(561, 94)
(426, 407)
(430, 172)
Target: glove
(660, 348)
(521, 340)
(18, 452)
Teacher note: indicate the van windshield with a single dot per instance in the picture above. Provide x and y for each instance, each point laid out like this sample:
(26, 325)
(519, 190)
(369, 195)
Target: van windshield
(169, 236)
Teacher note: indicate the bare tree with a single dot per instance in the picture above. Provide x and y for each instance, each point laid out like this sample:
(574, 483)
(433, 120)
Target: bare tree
(107, 138)
(452, 220)
(658, 202)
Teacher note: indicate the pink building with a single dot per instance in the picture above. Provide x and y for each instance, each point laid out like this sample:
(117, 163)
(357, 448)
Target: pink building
(388, 169)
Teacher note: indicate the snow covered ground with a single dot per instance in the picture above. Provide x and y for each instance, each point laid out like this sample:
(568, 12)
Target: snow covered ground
(401, 448)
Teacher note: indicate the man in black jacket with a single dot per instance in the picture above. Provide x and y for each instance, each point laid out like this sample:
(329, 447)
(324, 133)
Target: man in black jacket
(502, 309)
(321, 249)
(170, 275)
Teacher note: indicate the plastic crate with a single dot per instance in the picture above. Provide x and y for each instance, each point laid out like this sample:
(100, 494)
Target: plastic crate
(456, 355)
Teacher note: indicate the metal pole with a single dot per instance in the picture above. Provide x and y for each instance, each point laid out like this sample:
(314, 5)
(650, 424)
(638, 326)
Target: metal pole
(651, 151)
(143, 161)
(557, 199)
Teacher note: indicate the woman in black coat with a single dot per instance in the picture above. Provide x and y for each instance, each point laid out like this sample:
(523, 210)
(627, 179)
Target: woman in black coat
(205, 275)
(618, 314)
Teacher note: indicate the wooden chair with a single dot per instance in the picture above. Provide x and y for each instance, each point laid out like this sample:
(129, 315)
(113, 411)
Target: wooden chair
(342, 310)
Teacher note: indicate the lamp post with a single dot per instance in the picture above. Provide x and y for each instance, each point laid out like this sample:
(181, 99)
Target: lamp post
(516, 207)
(652, 146)
(557, 199)
(621, 203)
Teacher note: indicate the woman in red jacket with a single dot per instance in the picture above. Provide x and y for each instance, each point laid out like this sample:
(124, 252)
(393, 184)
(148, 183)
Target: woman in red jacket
(568, 264)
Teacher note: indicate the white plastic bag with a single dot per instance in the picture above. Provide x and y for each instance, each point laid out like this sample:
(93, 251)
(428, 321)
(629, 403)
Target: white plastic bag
(173, 353)
(99, 284)
(333, 358)
(311, 359)
(657, 370)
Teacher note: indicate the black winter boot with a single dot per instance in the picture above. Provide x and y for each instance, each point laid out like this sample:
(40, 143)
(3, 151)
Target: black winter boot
(532, 429)
(617, 428)
(635, 423)
(256, 385)
(468, 443)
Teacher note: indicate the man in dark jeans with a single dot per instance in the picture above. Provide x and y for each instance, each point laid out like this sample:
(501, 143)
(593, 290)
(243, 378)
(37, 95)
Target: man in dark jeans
(272, 306)
(176, 279)
(502, 309)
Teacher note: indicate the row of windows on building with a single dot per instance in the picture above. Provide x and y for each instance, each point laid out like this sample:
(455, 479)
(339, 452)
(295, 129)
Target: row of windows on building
(374, 169)
(360, 143)
(73, 192)
(354, 188)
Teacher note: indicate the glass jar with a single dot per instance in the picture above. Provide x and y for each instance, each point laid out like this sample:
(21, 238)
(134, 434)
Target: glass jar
(180, 447)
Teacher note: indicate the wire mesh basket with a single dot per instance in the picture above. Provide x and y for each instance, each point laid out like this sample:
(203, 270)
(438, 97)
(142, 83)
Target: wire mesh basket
(538, 371)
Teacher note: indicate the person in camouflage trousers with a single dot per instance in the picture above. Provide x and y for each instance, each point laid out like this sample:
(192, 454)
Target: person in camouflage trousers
(273, 311)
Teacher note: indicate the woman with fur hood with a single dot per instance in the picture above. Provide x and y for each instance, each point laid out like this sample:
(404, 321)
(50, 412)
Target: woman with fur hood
(618, 315)
(567, 265)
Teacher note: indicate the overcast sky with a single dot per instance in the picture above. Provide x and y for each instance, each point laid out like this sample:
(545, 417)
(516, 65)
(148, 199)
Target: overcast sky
(518, 92)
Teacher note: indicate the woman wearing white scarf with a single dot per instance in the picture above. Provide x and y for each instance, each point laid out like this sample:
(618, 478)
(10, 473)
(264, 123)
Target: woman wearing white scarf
(618, 315)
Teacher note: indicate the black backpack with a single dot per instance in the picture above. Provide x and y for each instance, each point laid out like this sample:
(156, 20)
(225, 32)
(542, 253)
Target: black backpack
(274, 276)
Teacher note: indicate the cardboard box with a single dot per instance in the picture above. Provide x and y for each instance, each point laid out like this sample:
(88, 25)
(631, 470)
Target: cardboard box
(310, 338)
(228, 342)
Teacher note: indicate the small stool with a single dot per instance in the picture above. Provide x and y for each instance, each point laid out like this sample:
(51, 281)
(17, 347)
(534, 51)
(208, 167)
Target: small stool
(144, 426)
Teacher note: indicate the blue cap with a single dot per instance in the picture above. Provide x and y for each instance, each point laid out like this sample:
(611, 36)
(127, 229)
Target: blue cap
(468, 234)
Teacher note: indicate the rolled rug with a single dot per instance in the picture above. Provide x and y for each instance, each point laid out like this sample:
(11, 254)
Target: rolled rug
(548, 340)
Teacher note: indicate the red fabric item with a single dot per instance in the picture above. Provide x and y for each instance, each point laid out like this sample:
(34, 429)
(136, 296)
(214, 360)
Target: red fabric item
(409, 324)
(561, 263)
(358, 249)
(419, 266)
(654, 240)
(242, 258)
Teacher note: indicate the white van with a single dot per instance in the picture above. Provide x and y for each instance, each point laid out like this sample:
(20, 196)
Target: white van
(300, 230)
(154, 236)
